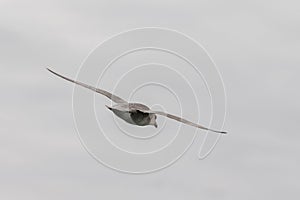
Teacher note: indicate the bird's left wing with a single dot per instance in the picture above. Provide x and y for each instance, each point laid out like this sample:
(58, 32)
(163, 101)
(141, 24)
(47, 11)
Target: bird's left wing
(182, 120)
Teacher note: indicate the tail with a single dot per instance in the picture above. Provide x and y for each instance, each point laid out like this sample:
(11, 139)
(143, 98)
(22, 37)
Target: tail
(109, 108)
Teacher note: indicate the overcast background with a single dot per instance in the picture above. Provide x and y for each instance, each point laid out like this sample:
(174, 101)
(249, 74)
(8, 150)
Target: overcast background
(255, 44)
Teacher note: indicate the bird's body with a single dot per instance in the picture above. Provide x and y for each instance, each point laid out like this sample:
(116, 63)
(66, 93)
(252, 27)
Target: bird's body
(130, 113)
(134, 113)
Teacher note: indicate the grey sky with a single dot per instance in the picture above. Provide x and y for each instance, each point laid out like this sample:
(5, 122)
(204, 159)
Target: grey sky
(255, 45)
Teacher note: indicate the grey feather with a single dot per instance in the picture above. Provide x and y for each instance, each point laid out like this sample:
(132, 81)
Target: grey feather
(114, 98)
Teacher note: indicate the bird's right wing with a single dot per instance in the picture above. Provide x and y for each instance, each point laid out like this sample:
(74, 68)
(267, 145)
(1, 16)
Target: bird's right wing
(181, 120)
(114, 98)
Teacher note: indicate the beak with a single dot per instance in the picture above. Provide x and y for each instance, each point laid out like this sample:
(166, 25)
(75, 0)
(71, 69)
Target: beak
(155, 125)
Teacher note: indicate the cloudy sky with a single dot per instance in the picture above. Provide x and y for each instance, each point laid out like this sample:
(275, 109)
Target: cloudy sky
(255, 45)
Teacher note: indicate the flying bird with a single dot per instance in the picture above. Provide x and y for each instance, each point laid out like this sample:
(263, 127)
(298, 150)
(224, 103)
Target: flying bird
(134, 113)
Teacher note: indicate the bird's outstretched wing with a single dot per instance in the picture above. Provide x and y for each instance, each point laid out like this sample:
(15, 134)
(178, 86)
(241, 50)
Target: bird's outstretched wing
(114, 98)
(181, 120)
(129, 107)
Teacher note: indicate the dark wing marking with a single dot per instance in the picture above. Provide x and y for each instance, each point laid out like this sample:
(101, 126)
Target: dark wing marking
(181, 120)
(114, 98)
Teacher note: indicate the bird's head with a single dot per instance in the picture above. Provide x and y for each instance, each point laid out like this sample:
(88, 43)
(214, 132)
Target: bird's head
(153, 120)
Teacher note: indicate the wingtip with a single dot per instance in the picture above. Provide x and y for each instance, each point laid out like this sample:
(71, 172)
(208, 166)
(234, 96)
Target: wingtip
(47, 68)
(55, 73)
(222, 132)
